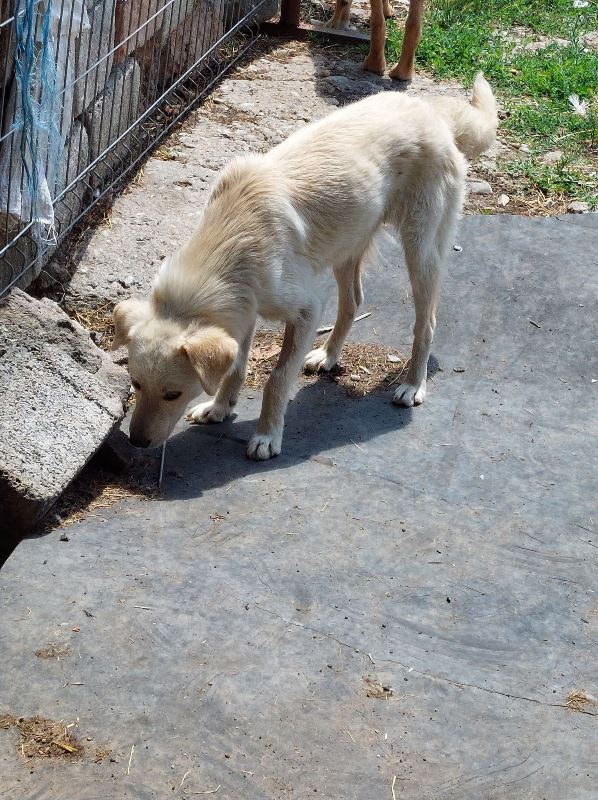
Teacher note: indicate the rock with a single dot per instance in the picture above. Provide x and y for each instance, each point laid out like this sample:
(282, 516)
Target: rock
(544, 42)
(127, 16)
(116, 454)
(479, 187)
(552, 157)
(185, 23)
(61, 397)
(503, 200)
(93, 45)
(578, 207)
(115, 109)
(74, 160)
(353, 87)
(109, 117)
(590, 40)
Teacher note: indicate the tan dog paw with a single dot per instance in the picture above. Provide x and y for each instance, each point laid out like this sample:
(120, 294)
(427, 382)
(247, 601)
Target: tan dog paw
(319, 359)
(409, 395)
(375, 64)
(208, 412)
(263, 446)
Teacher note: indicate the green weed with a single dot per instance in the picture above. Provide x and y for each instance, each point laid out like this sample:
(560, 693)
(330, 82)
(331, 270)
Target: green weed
(462, 37)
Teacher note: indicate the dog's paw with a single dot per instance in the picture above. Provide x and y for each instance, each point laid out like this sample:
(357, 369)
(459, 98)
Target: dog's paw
(338, 23)
(409, 395)
(208, 412)
(263, 446)
(319, 359)
(375, 64)
(399, 73)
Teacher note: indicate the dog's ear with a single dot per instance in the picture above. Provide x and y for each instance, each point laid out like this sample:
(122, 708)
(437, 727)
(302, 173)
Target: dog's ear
(125, 316)
(211, 352)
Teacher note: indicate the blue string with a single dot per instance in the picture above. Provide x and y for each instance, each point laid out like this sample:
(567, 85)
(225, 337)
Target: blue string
(35, 118)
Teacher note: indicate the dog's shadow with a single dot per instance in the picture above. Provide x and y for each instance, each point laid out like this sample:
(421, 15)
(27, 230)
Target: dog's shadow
(321, 420)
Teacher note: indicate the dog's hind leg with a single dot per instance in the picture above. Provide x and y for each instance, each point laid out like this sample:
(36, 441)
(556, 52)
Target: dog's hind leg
(267, 440)
(222, 404)
(426, 245)
(350, 297)
(425, 282)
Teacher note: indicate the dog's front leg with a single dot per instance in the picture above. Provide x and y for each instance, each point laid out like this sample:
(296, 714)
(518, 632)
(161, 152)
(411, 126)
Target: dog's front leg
(340, 18)
(221, 405)
(298, 335)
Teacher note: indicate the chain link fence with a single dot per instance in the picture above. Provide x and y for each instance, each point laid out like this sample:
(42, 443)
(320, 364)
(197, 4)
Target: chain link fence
(87, 89)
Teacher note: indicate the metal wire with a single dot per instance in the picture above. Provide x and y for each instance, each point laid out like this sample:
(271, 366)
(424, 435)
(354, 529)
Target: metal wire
(127, 72)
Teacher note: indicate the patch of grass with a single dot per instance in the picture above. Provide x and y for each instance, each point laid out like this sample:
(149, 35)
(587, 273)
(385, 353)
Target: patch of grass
(462, 37)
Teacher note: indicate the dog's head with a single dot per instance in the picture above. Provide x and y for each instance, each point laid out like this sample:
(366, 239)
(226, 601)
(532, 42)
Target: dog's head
(169, 363)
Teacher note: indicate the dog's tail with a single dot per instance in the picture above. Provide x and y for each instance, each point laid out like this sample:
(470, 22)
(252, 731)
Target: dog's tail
(473, 124)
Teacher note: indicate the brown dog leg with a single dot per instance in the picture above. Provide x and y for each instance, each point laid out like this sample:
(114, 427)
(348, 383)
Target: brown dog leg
(340, 18)
(375, 60)
(405, 69)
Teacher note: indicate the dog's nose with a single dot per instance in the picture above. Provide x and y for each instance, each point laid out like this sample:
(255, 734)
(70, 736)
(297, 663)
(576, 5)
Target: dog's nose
(137, 441)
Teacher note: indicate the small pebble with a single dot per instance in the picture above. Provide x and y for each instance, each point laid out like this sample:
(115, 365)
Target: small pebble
(578, 207)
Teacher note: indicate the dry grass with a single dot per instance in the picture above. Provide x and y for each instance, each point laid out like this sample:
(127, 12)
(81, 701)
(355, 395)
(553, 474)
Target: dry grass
(101, 753)
(97, 320)
(376, 690)
(43, 738)
(578, 700)
(365, 367)
(53, 652)
(522, 200)
(94, 490)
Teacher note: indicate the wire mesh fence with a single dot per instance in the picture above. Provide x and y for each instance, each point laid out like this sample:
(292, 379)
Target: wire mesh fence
(87, 89)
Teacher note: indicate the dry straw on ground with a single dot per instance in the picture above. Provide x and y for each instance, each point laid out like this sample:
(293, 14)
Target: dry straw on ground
(365, 368)
(578, 700)
(97, 320)
(53, 652)
(43, 738)
(96, 489)
(377, 690)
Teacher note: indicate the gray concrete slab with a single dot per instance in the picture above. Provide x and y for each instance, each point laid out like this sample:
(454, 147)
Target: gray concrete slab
(61, 397)
(229, 630)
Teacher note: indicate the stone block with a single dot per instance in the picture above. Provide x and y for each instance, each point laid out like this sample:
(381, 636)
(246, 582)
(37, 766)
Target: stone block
(93, 53)
(109, 117)
(133, 26)
(61, 397)
(115, 109)
(192, 27)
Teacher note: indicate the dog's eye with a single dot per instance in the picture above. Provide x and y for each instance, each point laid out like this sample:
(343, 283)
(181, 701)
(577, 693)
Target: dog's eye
(136, 385)
(172, 395)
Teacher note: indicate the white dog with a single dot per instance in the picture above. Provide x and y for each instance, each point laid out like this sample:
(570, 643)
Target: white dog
(271, 224)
